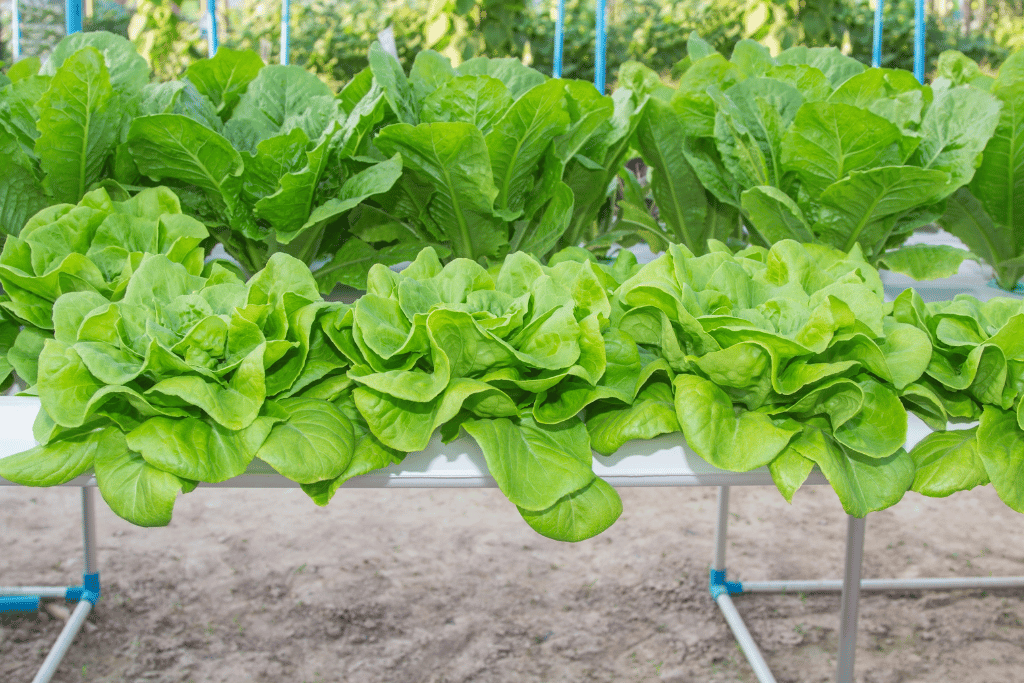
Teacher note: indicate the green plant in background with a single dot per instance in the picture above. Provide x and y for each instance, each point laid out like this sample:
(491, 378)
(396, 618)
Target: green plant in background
(810, 145)
(849, 25)
(333, 41)
(669, 204)
(988, 214)
(496, 158)
(267, 156)
(166, 36)
(62, 124)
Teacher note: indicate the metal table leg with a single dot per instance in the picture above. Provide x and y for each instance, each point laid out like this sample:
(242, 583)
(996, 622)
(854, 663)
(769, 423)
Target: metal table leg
(851, 598)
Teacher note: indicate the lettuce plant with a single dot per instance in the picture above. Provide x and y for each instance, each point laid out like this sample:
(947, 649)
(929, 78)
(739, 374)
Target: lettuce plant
(988, 214)
(186, 379)
(497, 158)
(780, 357)
(62, 126)
(686, 213)
(976, 374)
(92, 246)
(811, 145)
(266, 156)
(456, 347)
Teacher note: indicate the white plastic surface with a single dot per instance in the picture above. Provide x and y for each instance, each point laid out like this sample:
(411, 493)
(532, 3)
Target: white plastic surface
(973, 278)
(664, 461)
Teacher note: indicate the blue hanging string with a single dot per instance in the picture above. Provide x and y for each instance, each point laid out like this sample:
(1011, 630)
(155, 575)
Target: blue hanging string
(601, 49)
(211, 11)
(919, 29)
(15, 30)
(73, 16)
(286, 15)
(556, 70)
(876, 48)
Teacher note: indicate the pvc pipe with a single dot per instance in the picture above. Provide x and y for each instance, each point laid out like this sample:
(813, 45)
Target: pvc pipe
(556, 69)
(73, 16)
(19, 603)
(54, 592)
(15, 30)
(64, 640)
(600, 52)
(850, 600)
(211, 15)
(89, 529)
(876, 48)
(721, 529)
(744, 639)
(286, 15)
(833, 586)
(919, 31)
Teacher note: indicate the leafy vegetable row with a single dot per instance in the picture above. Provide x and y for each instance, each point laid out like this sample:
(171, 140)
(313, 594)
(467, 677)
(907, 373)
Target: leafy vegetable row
(159, 370)
(477, 161)
(811, 145)
(492, 157)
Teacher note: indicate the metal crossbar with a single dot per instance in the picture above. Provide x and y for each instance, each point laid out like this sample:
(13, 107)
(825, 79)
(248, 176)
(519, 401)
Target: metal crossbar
(28, 598)
(850, 586)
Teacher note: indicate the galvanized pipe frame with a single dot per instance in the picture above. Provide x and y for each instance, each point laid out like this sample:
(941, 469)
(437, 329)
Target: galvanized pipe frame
(86, 595)
(850, 587)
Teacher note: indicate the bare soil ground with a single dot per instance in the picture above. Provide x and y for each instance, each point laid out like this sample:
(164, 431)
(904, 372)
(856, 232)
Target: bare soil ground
(435, 586)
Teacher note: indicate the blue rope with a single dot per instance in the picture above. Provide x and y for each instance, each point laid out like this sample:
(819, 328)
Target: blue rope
(286, 15)
(211, 8)
(73, 16)
(876, 49)
(559, 39)
(15, 30)
(602, 48)
(919, 30)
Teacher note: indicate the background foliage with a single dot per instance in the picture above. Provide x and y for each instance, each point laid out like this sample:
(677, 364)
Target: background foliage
(331, 39)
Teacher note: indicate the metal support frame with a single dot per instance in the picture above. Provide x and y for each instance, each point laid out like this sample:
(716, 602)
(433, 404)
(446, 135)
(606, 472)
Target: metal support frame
(920, 28)
(850, 586)
(73, 16)
(876, 45)
(28, 598)
(15, 30)
(556, 67)
(286, 15)
(213, 41)
(601, 48)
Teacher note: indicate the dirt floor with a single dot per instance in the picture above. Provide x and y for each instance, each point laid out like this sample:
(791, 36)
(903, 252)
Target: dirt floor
(451, 586)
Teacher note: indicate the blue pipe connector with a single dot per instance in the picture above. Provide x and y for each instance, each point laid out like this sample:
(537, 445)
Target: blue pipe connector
(89, 590)
(717, 584)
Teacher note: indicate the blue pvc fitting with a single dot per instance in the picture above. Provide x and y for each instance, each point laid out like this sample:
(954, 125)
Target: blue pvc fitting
(717, 585)
(19, 603)
(89, 590)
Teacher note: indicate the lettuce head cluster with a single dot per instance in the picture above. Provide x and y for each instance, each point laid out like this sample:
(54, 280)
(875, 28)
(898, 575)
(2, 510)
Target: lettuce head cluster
(187, 378)
(782, 357)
